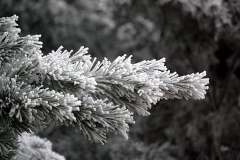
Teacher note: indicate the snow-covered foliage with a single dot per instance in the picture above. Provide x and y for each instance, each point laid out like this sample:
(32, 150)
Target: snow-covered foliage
(96, 97)
(33, 147)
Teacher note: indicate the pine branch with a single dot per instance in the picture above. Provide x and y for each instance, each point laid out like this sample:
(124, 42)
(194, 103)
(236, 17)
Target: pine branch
(74, 89)
(11, 45)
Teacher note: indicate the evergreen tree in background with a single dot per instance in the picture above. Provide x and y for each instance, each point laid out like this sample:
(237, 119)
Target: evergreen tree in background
(72, 89)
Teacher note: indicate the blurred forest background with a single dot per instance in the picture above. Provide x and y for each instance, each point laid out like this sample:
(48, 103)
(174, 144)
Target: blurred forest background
(193, 35)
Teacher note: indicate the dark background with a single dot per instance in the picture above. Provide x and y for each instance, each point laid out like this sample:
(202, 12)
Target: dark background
(193, 35)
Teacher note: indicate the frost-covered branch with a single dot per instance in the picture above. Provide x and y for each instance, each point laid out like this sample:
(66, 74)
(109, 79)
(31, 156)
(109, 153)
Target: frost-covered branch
(135, 86)
(96, 97)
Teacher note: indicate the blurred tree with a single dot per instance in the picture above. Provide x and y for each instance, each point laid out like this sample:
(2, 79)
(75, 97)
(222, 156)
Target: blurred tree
(195, 35)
